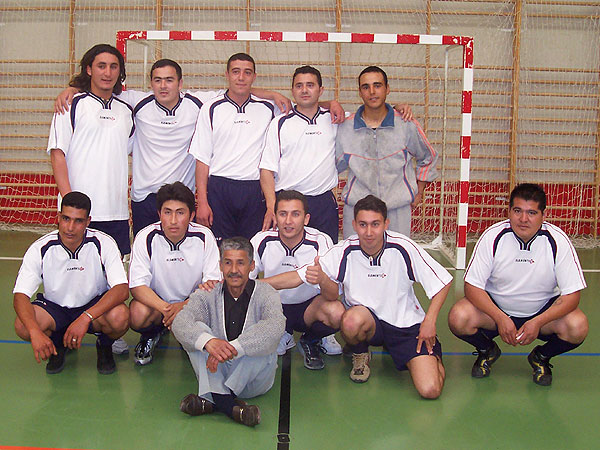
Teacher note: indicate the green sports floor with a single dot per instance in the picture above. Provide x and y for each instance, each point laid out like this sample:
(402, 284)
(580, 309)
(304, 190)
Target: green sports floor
(137, 407)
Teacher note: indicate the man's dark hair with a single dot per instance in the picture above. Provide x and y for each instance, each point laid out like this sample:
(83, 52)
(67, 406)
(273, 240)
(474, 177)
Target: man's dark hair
(83, 81)
(291, 195)
(237, 243)
(167, 63)
(371, 203)
(373, 69)
(310, 70)
(78, 200)
(241, 57)
(529, 191)
(176, 191)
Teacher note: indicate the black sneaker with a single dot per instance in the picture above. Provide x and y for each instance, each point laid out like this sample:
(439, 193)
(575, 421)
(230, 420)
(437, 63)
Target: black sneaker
(56, 363)
(312, 356)
(542, 374)
(144, 350)
(195, 406)
(484, 361)
(106, 362)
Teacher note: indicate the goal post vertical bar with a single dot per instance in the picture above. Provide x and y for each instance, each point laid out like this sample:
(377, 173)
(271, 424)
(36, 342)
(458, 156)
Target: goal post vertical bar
(423, 39)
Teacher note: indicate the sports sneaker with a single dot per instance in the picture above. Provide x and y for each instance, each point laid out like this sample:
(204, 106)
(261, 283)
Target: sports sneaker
(144, 350)
(485, 359)
(56, 363)
(360, 367)
(120, 347)
(286, 342)
(330, 346)
(248, 415)
(106, 362)
(542, 374)
(310, 351)
(195, 406)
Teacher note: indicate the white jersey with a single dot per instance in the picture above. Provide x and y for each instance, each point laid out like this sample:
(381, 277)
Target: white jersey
(71, 279)
(230, 138)
(162, 139)
(384, 283)
(522, 276)
(273, 257)
(94, 137)
(173, 270)
(301, 152)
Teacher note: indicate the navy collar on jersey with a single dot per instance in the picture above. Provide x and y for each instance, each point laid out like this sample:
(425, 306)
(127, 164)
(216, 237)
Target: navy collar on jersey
(106, 104)
(376, 259)
(241, 108)
(526, 246)
(167, 111)
(387, 122)
(310, 121)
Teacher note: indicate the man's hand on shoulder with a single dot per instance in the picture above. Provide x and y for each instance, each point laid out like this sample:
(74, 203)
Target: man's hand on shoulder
(338, 115)
(269, 222)
(64, 99)
(208, 285)
(405, 111)
(283, 103)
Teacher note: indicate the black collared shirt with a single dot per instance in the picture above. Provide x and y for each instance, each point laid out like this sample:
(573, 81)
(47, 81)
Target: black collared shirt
(236, 309)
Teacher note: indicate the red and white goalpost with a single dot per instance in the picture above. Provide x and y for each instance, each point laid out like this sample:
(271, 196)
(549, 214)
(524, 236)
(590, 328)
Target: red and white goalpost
(459, 182)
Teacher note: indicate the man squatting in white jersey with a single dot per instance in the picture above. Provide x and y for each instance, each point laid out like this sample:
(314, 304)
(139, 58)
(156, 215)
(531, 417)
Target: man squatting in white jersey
(170, 258)
(523, 282)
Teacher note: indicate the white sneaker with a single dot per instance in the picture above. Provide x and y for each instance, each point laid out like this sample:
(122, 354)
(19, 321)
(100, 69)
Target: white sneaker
(330, 346)
(286, 342)
(120, 347)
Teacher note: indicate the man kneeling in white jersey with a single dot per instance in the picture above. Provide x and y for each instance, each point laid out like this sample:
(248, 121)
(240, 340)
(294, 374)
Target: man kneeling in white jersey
(376, 269)
(85, 288)
(169, 259)
(291, 246)
(523, 283)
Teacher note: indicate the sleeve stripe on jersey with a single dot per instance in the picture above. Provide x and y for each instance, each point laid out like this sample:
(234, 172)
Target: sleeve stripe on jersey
(196, 100)
(551, 241)
(573, 252)
(73, 107)
(497, 240)
(478, 243)
(263, 244)
(342, 269)
(211, 110)
(142, 103)
(407, 260)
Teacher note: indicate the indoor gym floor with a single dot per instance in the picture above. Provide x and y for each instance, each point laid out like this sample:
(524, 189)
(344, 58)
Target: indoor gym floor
(137, 407)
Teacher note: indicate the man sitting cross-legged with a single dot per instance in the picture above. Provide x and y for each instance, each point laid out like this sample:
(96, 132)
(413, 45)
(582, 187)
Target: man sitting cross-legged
(85, 288)
(169, 259)
(231, 335)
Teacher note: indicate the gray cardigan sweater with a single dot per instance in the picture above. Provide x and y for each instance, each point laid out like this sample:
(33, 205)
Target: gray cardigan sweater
(203, 318)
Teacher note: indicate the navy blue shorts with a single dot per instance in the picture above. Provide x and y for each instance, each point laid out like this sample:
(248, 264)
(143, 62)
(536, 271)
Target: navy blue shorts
(63, 316)
(118, 230)
(324, 216)
(144, 213)
(238, 207)
(401, 342)
(520, 321)
(294, 316)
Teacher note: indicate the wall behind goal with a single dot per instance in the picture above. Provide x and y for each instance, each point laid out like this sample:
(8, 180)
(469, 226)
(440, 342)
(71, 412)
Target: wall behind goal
(535, 99)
